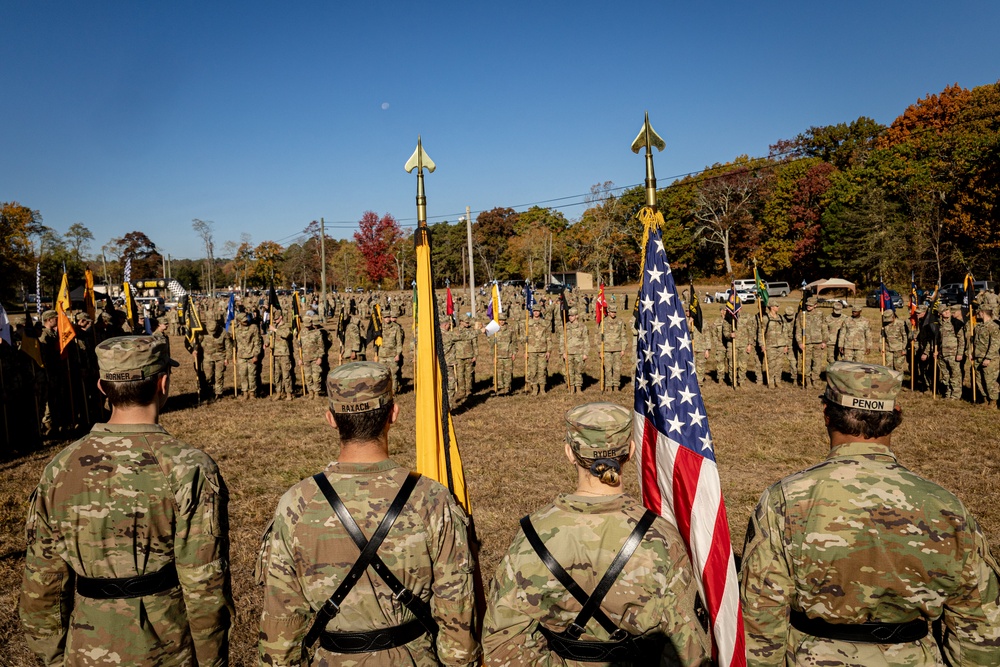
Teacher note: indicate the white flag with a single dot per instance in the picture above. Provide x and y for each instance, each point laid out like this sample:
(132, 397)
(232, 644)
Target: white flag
(4, 326)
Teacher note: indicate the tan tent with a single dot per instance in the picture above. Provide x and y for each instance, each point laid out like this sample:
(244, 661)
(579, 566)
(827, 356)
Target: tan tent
(831, 284)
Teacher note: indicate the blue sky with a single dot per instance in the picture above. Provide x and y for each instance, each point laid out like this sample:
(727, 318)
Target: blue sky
(263, 116)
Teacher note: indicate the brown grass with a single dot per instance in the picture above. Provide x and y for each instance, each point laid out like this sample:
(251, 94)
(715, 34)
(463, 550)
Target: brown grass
(512, 449)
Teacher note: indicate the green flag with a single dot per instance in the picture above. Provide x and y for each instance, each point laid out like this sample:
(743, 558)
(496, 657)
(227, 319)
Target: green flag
(760, 286)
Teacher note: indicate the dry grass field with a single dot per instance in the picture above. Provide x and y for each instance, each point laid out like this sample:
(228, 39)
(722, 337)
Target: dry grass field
(512, 448)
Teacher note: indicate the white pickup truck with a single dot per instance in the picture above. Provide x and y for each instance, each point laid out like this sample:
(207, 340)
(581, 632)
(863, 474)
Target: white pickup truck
(745, 295)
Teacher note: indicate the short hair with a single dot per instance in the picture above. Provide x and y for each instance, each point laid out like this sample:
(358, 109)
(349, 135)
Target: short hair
(131, 393)
(366, 425)
(863, 423)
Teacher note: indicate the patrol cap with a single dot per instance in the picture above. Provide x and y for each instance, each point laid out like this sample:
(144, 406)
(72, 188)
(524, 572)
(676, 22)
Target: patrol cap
(599, 430)
(360, 386)
(307, 320)
(812, 301)
(49, 314)
(127, 358)
(856, 308)
(503, 317)
(82, 316)
(922, 308)
(612, 307)
(789, 310)
(887, 316)
(943, 307)
(837, 306)
(862, 386)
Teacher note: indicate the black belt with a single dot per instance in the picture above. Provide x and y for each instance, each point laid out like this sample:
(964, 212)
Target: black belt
(373, 640)
(128, 587)
(861, 633)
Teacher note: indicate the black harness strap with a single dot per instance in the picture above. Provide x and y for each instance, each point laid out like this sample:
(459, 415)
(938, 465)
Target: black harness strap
(368, 556)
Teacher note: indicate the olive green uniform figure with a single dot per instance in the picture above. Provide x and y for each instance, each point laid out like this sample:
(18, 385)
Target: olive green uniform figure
(810, 340)
(466, 347)
(504, 343)
(306, 552)
(56, 405)
(539, 342)
(125, 501)
(855, 339)
(788, 329)
(833, 323)
(985, 351)
(391, 352)
(858, 539)
(282, 346)
(896, 334)
(615, 335)
(719, 347)
(352, 348)
(654, 598)
(448, 349)
(951, 353)
(249, 349)
(771, 336)
(739, 340)
(314, 347)
(575, 346)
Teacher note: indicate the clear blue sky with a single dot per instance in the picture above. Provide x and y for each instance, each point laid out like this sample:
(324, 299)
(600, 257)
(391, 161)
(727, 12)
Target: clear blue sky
(262, 116)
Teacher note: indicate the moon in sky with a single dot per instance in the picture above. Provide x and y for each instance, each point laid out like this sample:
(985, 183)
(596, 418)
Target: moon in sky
(385, 105)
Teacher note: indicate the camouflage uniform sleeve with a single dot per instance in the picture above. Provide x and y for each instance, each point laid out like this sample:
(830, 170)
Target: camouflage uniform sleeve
(47, 588)
(971, 619)
(766, 585)
(508, 631)
(286, 615)
(201, 554)
(452, 593)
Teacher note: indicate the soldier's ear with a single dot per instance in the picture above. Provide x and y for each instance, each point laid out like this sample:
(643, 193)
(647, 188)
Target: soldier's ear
(100, 387)
(395, 413)
(569, 454)
(330, 420)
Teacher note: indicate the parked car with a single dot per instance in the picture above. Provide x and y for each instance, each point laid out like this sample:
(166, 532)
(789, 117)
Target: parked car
(778, 289)
(951, 294)
(555, 288)
(872, 300)
(745, 295)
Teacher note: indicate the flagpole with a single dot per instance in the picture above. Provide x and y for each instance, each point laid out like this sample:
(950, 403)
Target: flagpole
(270, 334)
(881, 314)
(803, 349)
(934, 381)
(603, 379)
(760, 319)
(562, 314)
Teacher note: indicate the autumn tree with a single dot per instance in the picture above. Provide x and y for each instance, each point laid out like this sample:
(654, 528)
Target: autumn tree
(146, 260)
(266, 270)
(377, 238)
(527, 249)
(491, 235)
(611, 232)
(844, 145)
(17, 225)
(79, 238)
(203, 228)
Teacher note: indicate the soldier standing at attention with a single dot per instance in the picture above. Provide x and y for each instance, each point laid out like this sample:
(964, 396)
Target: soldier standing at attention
(719, 345)
(415, 606)
(313, 355)
(448, 349)
(833, 323)
(249, 348)
(896, 334)
(788, 329)
(215, 346)
(466, 349)
(575, 346)
(849, 561)
(651, 611)
(539, 343)
(772, 334)
(391, 352)
(951, 351)
(739, 338)
(811, 341)
(986, 349)
(127, 557)
(505, 342)
(616, 340)
(281, 338)
(854, 339)
(353, 349)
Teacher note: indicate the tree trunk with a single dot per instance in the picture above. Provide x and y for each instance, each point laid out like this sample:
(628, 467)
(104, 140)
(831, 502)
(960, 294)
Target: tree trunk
(725, 250)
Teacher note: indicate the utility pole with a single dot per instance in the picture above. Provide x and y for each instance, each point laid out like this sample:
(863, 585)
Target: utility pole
(322, 269)
(472, 274)
(107, 280)
(164, 261)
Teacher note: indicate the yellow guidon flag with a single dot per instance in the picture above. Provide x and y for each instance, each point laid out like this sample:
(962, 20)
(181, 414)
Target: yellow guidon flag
(63, 325)
(437, 449)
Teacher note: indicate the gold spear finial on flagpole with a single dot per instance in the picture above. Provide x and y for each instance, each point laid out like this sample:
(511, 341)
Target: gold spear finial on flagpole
(420, 160)
(648, 138)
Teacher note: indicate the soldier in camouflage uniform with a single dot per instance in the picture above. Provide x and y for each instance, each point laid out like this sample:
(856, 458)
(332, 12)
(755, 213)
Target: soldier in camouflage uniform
(282, 340)
(833, 323)
(951, 353)
(391, 352)
(739, 340)
(854, 340)
(771, 336)
(788, 328)
(615, 335)
(896, 337)
(249, 349)
(448, 349)
(985, 351)
(926, 340)
(719, 345)
(575, 345)
(466, 349)
(811, 341)
(129, 502)
(539, 343)
(306, 552)
(504, 342)
(55, 417)
(655, 596)
(701, 346)
(352, 348)
(314, 347)
(849, 561)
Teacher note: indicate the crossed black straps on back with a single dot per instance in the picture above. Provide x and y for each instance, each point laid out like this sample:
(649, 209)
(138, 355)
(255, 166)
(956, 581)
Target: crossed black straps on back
(369, 556)
(591, 603)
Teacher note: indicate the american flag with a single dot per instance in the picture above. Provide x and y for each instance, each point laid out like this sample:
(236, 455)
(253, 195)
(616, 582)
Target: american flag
(679, 477)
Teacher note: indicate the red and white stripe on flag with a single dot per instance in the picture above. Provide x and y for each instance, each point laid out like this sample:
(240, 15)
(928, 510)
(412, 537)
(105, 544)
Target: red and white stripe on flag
(679, 476)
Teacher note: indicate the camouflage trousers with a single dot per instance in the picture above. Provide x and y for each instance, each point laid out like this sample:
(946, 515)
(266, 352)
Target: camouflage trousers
(464, 369)
(897, 360)
(394, 367)
(950, 374)
(613, 369)
(700, 363)
(815, 363)
(853, 355)
(314, 375)
(792, 363)
(213, 374)
(282, 379)
(831, 352)
(987, 377)
(775, 365)
(742, 359)
(246, 373)
(719, 363)
(536, 369)
(505, 374)
(576, 364)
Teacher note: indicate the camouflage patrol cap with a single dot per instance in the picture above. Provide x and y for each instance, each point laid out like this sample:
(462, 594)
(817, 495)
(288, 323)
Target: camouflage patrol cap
(837, 306)
(82, 316)
(503, 317)
(599, 430)
(48, 315)
(307, 320)
(922, 308)
(612, 307)
(862, 386)
(812, 301)
(359, 386)
(887, 316)
(127, 358)
(573, 312)
(789, 310)
(943, 307)
(856, 308)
